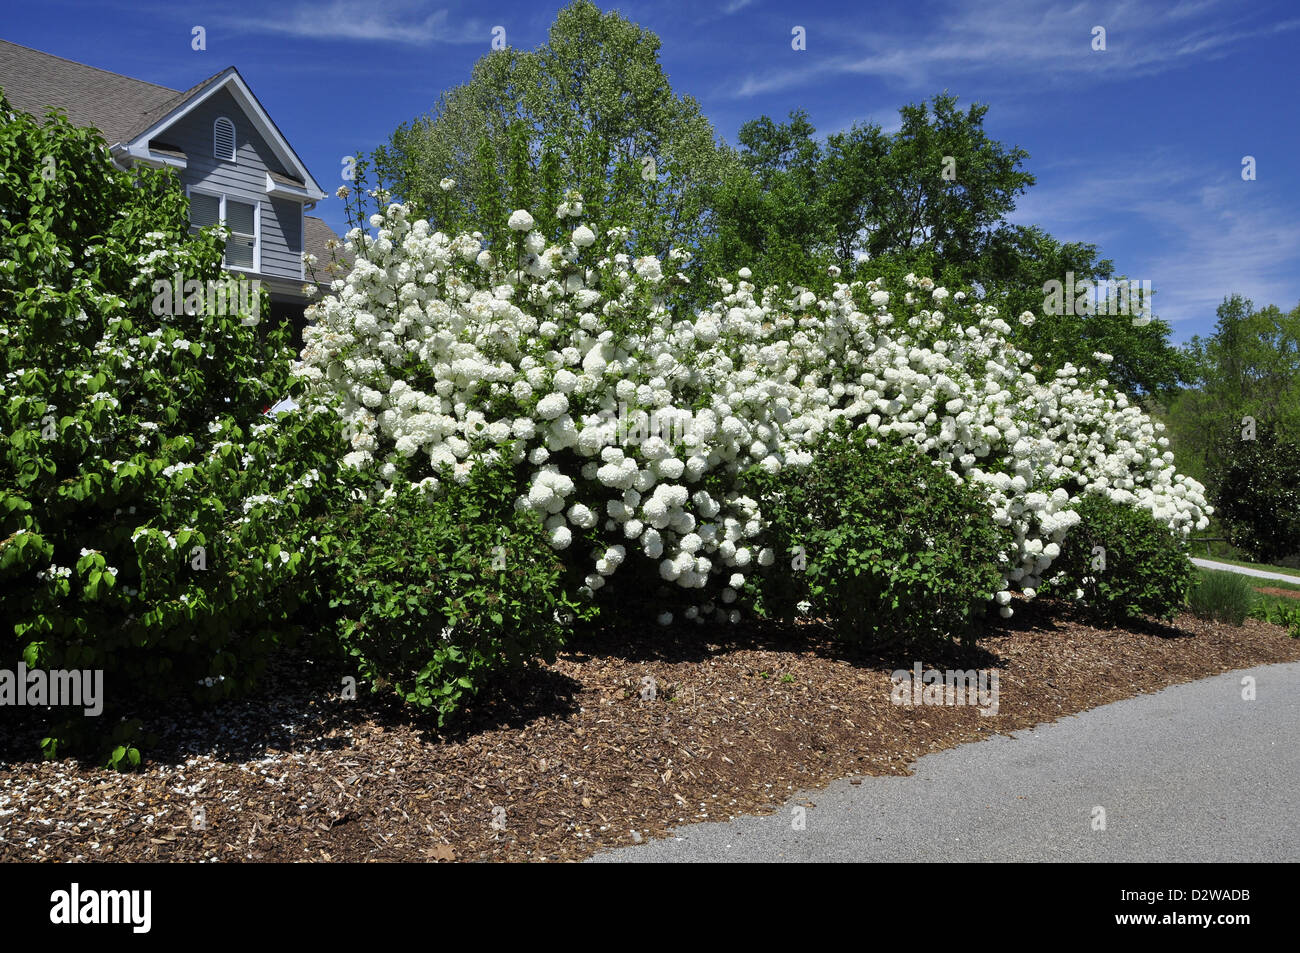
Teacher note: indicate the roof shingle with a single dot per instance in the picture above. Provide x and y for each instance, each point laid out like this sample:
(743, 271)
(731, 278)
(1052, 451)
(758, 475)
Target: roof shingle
(118, 106)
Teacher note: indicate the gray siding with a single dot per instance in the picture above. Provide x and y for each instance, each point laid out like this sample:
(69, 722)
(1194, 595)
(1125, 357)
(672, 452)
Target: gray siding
(244, 179)
(282, 237)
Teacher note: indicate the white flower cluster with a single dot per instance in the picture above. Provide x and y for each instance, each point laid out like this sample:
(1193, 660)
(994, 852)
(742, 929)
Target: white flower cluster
(442, 355)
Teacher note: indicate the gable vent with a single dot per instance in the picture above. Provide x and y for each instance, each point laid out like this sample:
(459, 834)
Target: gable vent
(223, 139)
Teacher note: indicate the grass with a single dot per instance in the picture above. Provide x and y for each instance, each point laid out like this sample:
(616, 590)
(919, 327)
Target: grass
(1231, 597)
(1225, 596)
(1279, 611)
(1275, 608)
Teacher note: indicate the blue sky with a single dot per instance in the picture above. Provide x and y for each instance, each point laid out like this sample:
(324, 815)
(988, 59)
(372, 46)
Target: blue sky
(1137, 148)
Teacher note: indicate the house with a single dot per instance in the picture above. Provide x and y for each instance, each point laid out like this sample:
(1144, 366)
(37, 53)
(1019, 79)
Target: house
(234, 163)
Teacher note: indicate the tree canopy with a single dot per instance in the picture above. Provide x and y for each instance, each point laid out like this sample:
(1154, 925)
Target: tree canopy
(932, 197)
(1249, 367)
(590, 110)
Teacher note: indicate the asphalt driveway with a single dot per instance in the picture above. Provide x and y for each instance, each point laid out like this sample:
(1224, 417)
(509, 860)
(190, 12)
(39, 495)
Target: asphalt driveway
(1191, 773)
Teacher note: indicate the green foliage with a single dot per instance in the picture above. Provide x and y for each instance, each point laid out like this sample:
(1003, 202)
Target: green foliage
(592, 108)
(896, 549)
(1020, 261)
(149, 513)
(1225, 596)
(436, 594)
(1144, 569)
(1285, 614)
(771, 214)
(1249, 366)
(1256, 487)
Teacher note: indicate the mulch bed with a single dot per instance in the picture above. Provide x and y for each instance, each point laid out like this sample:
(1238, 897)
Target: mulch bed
(574, 761)
(1274, 591)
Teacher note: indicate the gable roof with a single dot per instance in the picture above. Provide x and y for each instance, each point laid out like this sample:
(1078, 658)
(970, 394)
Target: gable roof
(129, 112)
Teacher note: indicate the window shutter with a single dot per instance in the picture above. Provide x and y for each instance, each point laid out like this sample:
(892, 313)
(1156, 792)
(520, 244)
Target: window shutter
(205, 210)
(223, 139)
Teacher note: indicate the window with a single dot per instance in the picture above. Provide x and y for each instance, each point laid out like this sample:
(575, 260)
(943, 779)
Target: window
(241, 247)
(223, 139)
(240, 218)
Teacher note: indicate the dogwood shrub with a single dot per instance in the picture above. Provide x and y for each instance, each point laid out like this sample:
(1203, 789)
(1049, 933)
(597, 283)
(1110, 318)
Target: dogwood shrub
(629, 418)
(149, 512)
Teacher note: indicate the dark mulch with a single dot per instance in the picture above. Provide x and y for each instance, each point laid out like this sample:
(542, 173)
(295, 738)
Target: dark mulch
(574, 760)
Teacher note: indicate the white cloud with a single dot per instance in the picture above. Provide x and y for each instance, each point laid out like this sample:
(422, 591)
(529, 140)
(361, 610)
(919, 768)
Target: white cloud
(389, 21)
(1228, 242)
(1017, 40)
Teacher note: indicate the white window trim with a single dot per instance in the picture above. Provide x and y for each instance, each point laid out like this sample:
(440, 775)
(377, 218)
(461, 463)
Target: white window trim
(302, 242)
(221, 216)
(234, 141)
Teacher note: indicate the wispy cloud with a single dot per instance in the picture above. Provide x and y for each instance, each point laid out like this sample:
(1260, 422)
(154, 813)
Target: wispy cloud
(735, 6)
(1020, 39)
(1224, 245)
(386, 21)
(1207, 236)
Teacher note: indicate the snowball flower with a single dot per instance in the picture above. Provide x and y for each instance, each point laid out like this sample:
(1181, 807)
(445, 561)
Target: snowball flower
(520, 221)
(552, 406)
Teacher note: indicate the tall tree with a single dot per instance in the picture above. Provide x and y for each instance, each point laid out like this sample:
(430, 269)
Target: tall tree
(597, 115)
(1249, 367)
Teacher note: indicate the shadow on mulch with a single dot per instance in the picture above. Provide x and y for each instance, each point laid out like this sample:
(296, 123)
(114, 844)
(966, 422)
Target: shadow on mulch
(574, 758)
(299, 706)
(673, 645)
(1048, 615)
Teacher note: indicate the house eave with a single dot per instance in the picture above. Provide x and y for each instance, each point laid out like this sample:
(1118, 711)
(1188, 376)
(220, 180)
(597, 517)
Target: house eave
(138, 147)
(283, 190)
(129, 154)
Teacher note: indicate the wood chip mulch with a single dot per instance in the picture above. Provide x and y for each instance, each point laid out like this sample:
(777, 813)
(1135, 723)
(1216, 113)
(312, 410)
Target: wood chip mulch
(576, 760)
(1274, 591)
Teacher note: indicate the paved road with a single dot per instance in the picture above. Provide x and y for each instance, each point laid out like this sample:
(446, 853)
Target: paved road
(1191, 773)
(1247, 571)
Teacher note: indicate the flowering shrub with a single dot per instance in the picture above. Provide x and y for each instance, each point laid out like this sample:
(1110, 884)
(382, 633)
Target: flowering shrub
(880, 539)
(148, 512)
(437, 593)
(1121, 563)
(570, 358)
